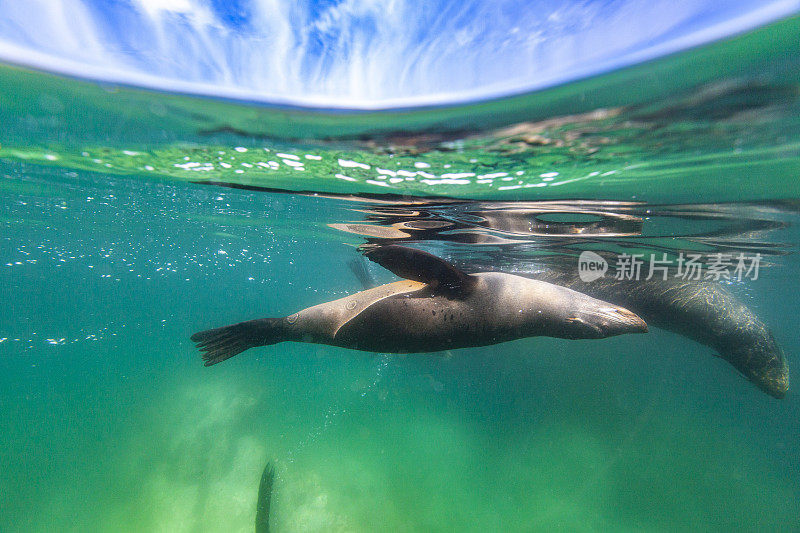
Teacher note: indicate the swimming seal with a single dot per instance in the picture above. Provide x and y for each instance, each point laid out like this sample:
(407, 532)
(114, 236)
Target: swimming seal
(436, 307)
(703, 311)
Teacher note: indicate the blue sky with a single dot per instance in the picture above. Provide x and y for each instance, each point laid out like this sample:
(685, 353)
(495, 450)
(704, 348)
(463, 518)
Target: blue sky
(361, 53)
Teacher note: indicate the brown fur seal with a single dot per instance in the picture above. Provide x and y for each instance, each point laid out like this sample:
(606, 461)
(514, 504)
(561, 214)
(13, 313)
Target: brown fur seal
(437, 307)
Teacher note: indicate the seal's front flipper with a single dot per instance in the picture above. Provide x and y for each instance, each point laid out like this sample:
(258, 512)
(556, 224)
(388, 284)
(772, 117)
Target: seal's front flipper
(223, 343)
(359, 270)
(264, 499)
(417, 265)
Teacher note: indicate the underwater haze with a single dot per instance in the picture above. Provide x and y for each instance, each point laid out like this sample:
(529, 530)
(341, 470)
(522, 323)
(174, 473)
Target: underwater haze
(161, 174)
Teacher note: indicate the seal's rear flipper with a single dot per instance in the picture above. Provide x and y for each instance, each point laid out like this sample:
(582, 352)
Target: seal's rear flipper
(417, 265)
(223, 343)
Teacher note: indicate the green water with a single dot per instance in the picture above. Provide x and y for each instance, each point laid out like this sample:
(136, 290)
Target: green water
(109, 421)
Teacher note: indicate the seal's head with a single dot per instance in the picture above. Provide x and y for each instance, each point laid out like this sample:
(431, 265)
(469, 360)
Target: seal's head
(760, 359)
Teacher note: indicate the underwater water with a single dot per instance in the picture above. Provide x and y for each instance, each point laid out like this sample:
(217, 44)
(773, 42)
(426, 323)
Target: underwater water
(131, 220)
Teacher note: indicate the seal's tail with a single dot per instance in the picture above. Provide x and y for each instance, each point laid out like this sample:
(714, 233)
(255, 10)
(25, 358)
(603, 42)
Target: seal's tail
(223, 343)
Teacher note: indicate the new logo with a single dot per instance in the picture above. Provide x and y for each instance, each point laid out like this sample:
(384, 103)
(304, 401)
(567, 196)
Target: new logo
(591, 266)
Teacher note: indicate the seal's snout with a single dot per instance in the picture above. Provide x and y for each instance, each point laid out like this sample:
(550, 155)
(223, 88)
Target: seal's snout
(630, 320)
(604, 320)
(614, 320)
(762, 361)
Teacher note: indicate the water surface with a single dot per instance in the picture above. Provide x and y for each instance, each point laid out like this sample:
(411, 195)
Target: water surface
(110, 422)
